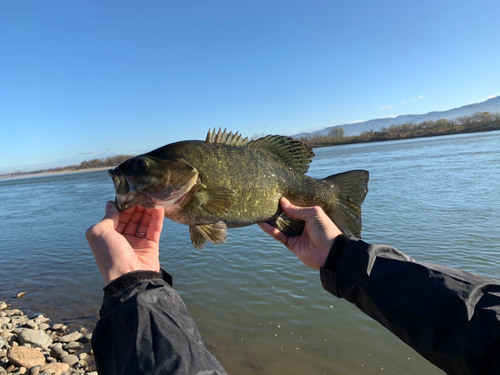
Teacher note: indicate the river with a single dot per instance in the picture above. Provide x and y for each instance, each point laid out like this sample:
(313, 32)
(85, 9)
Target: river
(259, 310)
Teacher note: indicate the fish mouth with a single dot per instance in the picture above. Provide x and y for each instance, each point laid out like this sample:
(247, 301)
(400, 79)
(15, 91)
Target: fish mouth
(125, 197)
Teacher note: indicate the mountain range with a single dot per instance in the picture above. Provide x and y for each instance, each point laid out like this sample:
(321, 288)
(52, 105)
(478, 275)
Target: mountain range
(352, 129)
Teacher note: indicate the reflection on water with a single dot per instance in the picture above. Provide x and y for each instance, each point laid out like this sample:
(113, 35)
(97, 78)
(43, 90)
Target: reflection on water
(260, 311)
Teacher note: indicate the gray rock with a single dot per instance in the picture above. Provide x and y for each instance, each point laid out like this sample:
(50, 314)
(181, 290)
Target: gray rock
(57, 352)
(2, 343)
(73, 336)
(14, 312)
(73, 345)
(43, 326)
(36, 338)
(35, 370)
(31, 324)
(70, 359)
(59, 327)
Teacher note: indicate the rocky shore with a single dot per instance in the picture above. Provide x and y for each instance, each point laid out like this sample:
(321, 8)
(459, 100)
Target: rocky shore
(34, 345)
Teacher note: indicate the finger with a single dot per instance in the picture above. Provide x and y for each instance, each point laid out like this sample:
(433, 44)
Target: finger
(108, 223)
(135, 221)
(125, 217)
(274, 233)
(296, 212)
(155, 224)
(143, 228)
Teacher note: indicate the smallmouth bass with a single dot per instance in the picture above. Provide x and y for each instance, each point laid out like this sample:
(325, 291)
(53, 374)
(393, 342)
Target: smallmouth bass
(228, 181)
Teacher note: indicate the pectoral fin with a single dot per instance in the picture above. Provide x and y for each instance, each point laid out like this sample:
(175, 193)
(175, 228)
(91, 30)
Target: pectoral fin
(215, 233)
(216, 200)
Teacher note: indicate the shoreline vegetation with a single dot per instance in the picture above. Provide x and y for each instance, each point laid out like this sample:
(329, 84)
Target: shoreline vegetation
(478, 122)
(85, 166)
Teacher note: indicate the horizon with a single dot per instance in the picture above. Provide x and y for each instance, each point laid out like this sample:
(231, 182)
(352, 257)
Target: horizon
(90, 80)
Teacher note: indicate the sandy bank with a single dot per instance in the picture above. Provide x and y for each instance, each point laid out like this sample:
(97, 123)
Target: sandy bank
(45, 174)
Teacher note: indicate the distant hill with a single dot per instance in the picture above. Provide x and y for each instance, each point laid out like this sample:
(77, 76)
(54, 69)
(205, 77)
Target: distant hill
(490, 105)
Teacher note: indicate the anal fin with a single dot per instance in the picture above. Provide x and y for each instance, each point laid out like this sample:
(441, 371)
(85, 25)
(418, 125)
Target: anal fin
(289, 226)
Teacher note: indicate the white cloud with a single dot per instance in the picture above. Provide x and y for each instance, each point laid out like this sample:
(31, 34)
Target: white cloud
(412, 100)
(386, 107)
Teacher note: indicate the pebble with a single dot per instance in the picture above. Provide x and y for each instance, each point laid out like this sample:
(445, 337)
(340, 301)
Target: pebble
(57, 367)
(73, 336)
(57, 352)
(70, 359)
(30, 346)
(43, 326)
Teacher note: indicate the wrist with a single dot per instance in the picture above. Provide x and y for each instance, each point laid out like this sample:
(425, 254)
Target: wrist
(336, 251)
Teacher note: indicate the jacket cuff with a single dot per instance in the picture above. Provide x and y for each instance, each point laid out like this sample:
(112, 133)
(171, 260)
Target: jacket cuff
(328, 273)
(130, 279)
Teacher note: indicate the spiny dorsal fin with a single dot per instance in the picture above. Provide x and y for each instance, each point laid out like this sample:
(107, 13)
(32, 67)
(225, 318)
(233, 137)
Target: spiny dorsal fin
(294, 153)
(223, 137)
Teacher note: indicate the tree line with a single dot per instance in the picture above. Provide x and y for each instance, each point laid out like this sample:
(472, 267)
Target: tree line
(109, 161)
(478, 122)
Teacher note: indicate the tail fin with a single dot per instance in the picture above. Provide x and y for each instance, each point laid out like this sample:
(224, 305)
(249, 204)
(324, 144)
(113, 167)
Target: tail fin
(350, 190)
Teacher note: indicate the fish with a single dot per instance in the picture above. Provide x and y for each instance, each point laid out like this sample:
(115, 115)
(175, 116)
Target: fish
(228, 181)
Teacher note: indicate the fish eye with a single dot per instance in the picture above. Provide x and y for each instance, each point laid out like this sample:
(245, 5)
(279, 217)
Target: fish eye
(140, 165)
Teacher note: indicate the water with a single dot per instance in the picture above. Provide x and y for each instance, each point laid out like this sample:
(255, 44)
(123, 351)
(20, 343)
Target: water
(259, 310)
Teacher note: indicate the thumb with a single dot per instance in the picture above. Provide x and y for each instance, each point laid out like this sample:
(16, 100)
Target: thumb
(111, 213)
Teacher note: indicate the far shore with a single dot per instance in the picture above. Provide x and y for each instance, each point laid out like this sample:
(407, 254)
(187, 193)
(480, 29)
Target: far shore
(47, 173)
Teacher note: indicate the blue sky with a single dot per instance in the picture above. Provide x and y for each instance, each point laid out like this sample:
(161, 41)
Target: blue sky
(85, 79)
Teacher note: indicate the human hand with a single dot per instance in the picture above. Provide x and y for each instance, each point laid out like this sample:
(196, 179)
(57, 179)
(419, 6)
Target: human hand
(126, 241)
(314, 244)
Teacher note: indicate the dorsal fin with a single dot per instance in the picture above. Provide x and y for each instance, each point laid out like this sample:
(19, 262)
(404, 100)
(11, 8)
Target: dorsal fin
(223, 137)
(294, 153)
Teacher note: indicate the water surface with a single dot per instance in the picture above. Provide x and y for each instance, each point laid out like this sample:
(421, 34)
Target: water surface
(259, 310)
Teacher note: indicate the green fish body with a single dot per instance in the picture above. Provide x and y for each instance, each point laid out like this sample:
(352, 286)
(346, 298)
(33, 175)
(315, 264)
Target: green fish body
(227, 181)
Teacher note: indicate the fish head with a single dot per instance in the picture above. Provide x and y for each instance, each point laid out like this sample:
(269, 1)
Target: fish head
(151, 182)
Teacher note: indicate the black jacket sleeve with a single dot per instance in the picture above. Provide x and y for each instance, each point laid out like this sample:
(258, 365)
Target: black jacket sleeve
(145, 329)
(450, 317)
